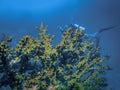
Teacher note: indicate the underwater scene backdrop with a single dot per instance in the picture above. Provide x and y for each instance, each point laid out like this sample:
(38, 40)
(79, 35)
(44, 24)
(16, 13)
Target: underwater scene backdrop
(84, 49)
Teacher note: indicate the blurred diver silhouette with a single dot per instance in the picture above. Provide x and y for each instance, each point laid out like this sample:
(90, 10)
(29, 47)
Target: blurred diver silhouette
(95, 35)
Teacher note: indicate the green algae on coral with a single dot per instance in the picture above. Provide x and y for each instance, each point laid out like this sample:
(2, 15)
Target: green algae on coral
(73, 64)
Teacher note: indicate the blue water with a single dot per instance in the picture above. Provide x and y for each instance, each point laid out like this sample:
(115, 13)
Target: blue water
(18, 18)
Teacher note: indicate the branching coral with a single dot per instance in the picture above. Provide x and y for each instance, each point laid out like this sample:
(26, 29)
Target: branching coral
(73, 64)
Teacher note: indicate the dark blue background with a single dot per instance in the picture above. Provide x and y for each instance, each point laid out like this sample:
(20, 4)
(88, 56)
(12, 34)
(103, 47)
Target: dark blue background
(19, 17)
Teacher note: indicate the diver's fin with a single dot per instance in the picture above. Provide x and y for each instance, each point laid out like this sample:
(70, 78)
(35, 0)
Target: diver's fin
(106, 29)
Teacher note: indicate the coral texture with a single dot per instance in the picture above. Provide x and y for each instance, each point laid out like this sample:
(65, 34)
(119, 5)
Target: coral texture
(35, 64)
